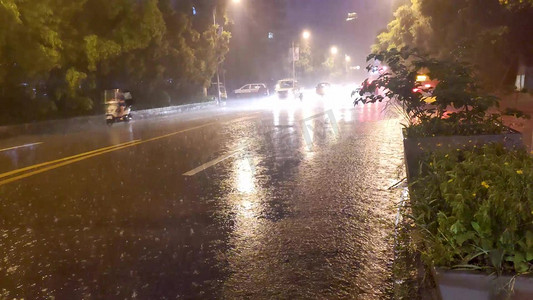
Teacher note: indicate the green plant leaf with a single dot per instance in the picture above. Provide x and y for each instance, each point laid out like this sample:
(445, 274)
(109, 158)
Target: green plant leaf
(520, 263)
(476, 227)
(529, 255)
(529, 239)
(496, 258)
(461, 238)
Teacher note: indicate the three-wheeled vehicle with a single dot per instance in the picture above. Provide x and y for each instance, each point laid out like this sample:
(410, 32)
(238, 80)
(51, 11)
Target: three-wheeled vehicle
(118, 106)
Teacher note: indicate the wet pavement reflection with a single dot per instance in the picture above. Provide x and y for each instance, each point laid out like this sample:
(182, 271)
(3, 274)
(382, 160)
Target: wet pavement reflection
(274, 215)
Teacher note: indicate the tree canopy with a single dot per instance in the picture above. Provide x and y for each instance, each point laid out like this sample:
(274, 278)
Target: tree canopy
(56, 56)
(493, 35)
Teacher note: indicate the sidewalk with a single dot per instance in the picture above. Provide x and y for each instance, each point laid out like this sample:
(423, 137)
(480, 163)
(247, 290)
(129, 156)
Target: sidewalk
(524, 103)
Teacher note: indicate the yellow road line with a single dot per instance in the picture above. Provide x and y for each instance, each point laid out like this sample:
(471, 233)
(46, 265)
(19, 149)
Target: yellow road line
(178, 132)
(62, 159)
(9, 180)
(254, 116)
(82, 156)
(198, 127)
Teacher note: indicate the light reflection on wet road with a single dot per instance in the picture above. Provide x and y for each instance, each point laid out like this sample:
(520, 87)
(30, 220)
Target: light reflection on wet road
(276, 218)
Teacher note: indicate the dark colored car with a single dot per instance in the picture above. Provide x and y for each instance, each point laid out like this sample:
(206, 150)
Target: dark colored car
(213, 94)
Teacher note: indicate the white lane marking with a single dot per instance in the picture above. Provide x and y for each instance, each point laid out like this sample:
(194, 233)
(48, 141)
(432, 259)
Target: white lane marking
(212, 163)
(21, 146)
(224, 157)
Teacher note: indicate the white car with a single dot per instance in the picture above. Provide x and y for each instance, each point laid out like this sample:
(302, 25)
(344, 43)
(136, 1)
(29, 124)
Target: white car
(288, 88)
(253, 89)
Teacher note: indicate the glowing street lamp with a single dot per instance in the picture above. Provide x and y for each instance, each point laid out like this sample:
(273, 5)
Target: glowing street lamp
(306, 35)
(334, 50)
(347, 58)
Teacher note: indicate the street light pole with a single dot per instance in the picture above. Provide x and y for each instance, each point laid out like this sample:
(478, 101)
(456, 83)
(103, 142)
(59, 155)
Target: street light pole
(347, 60)
(216, 43)
(293, 64)
(216, 33)
(305, 35)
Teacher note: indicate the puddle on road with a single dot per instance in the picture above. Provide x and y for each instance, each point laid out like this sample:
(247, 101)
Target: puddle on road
(318, 228)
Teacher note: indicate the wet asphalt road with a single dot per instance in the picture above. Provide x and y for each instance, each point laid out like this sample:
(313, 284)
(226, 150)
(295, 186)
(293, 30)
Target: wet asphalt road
(262, 199)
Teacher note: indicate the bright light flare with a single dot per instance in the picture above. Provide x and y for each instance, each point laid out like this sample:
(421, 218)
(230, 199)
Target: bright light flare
(421, 78)
(306, 35)
(245, 176)
(236, 1)
(348, 58)
(334, 50)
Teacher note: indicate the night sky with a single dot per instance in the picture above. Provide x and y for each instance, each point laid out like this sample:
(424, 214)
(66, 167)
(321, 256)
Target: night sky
(252, 56)
(327, 20)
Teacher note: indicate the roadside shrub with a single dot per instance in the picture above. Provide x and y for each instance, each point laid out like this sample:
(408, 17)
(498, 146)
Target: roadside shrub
(475, 209)
(455, 106)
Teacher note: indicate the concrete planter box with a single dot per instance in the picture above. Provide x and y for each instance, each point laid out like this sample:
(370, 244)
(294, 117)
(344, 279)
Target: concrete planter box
(416, 148)
(455, 285)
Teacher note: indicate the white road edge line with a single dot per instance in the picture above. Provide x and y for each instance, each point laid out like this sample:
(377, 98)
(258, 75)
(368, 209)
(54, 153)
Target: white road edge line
(212, 163)
(21, 146)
